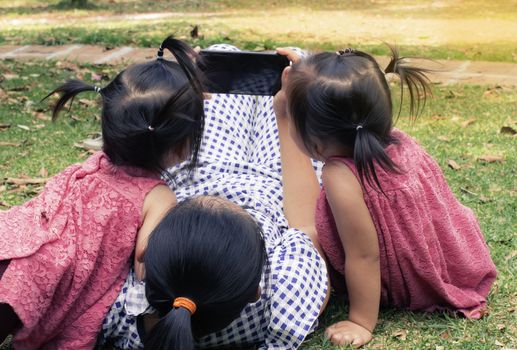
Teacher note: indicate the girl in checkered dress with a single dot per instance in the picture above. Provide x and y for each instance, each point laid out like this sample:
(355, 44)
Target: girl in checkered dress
(239, 173)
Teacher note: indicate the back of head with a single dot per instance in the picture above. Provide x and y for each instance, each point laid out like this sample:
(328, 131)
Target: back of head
(343, 99)
(209, 252)
(151, 112)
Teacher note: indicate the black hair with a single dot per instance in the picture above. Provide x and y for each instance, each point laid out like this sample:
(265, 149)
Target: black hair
(209, 252)
(149, 110)
(344, 98)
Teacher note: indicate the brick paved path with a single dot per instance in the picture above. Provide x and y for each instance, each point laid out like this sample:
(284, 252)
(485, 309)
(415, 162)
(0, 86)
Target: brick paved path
(447, 71)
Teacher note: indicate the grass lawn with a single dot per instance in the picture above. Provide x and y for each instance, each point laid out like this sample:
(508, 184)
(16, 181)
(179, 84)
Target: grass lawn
(473, 30)
(461, 124)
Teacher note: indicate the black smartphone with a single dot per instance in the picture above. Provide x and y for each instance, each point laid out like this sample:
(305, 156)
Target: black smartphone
(242, 72)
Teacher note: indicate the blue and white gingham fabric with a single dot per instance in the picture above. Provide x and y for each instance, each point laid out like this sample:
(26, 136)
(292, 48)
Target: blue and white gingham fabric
(240, 161)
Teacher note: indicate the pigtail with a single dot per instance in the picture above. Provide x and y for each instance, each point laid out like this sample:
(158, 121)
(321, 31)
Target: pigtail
(172, 332)
(68, 91)
(414, 78)
(186, 58)
(368, 149)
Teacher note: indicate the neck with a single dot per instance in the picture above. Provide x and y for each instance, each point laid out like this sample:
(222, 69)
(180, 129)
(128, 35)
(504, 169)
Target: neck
(336, 151)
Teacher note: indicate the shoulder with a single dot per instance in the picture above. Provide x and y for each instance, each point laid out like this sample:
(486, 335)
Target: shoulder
(338, 179)
(158, 200)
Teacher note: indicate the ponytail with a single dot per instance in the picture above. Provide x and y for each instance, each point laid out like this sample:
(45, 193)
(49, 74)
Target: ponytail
(185, 57)
(68, 91)
(203, 265)
(414, 78)
(173, 331)
(368, 149)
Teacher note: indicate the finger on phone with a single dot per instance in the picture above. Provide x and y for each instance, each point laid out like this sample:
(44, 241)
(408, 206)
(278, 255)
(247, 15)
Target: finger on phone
(291, 55)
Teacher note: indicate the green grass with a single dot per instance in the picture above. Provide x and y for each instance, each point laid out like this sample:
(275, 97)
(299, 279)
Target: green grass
(488, 188)
(258, 25)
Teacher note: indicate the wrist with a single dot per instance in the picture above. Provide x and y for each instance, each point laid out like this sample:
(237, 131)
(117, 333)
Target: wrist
(368, 326)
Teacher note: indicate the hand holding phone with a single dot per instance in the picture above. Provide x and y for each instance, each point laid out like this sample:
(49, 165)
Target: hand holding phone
(242, 72)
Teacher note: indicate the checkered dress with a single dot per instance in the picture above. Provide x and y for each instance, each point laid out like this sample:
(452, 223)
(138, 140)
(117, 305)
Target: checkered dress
(240, 161)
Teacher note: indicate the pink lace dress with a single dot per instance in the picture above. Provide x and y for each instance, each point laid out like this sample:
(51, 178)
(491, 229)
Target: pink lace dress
(69, 250)
(432, 253)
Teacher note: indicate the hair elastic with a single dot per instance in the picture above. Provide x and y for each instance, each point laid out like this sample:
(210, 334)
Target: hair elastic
(185, 303)
(360, 126)
(150, 128)
(159, 55)
(97, 89)
(347, 50)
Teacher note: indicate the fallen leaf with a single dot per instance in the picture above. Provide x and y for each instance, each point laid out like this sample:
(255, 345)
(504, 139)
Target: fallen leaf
(3, 188)
(438, 117)
(12, 144)
(453, 94)
(5, 126)
(2, 204)
(490, 158)
(43, 172)
(492, 91)
(453, 165)
(498, 343)
(400, 334)
(439, 347)
(19, 89)
(96, 77)
(41, 116)
(443, 138)
(508, 130)
(501, 327)
(33, 181)
(468, 122)
(86, 102)
(39, 126)
(484, 199)
(67, 66)
(10, 76)
(511, 255)
(24, 127)
(194, 33)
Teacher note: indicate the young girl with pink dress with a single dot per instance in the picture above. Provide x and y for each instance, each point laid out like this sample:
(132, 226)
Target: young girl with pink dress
(386, 219)
(65, 254)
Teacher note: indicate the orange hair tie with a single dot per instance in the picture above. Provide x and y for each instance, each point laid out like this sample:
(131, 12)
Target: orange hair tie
(185, 303)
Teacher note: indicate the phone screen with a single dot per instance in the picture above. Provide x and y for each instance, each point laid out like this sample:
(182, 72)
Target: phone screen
(243, 72)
